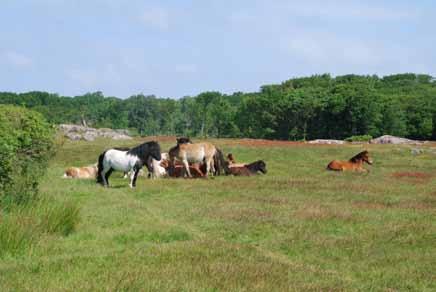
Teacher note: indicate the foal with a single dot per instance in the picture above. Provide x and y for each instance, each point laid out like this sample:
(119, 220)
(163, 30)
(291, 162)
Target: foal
(355, 163)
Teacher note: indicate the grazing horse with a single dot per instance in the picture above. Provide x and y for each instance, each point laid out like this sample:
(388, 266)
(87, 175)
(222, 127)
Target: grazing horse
(355, 163)
(133, 159)
(194, 153)
(249, 169)
(89, 171)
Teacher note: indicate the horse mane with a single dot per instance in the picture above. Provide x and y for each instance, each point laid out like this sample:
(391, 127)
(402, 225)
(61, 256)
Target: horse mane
(220, 162)
(358, 156)
(144, 149)
(255, 166)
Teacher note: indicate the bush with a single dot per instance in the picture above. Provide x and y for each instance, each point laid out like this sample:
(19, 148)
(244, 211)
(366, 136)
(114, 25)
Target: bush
(361, 138)
(26, 144)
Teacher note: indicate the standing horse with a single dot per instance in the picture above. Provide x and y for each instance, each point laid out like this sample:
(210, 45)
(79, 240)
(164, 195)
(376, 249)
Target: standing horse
(194, 153)
(133, 159)
(355, 163)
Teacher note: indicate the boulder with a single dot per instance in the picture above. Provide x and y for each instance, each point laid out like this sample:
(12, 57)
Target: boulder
(76, 132)
(388, 139)
(326, 141)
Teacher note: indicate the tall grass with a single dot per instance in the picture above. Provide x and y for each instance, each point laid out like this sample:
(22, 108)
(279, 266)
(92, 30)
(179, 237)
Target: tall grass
(22, 226)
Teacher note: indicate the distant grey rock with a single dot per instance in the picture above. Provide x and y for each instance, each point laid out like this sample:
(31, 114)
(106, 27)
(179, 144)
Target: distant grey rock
(76, 132)
(388, 139)
(326, 141)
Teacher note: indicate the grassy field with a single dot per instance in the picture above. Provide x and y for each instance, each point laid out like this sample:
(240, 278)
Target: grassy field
(298, 228)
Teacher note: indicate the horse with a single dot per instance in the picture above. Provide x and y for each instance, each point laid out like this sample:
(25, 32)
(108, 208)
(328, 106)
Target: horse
(232, 162)
(249, 169)
(133, 159)
(219, 163)
(85, 172)
(178, 171)
(355, 163)
(193, 153)
(159, 167)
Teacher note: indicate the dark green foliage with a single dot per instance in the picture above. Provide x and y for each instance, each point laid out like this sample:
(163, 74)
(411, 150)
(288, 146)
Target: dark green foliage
(361, 138)
(298, 109)
(26, 143)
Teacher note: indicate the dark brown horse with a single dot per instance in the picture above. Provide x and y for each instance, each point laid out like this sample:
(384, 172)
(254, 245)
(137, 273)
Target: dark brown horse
(249, 169)
(355, 163)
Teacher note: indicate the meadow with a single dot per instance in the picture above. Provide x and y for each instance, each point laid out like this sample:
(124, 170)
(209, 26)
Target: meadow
(297, 228)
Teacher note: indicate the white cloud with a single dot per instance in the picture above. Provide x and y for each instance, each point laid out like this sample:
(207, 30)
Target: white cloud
(156, 18)
(16, 59)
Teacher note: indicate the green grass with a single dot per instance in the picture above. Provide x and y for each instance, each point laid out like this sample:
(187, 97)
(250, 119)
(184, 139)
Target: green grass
(298, 228)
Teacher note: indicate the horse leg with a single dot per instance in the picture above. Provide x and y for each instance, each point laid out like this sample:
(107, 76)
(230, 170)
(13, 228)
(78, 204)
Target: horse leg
(106, 176)
(186, 164)
(133, 177)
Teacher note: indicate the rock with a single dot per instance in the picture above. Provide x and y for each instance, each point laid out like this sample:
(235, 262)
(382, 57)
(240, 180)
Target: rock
(416, 151)
(326, 141)
(76, 132)
(388, 139)
(90, 136)
(73, 136)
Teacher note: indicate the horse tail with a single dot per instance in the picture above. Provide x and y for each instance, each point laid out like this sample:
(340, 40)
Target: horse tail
(222, 162)
(100, 168)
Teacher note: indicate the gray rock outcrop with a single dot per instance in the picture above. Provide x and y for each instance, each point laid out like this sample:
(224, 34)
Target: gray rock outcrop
(76, 132)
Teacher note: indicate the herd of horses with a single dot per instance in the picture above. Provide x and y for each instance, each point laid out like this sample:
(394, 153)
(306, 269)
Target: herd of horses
(186, 159)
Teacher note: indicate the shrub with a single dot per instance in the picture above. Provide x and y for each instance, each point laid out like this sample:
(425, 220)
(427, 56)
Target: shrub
(361, 138)
(26, 144)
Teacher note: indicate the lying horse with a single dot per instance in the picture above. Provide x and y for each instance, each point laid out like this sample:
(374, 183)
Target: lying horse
(178, 171)
(89, 171)
(249, 169)
(133, 159)
(159, 167)
(355, 163)
(232, 162)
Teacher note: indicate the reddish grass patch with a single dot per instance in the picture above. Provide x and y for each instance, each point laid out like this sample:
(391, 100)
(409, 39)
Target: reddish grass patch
(401, 205)
(413, 177)
(420, 175)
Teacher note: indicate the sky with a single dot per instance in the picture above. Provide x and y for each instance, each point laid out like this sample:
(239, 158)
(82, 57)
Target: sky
(179, 48)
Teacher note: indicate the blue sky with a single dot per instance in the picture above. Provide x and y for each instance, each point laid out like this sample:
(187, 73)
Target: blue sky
(179, 48)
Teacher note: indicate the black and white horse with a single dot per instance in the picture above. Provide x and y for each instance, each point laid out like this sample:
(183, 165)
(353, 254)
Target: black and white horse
(126, 160)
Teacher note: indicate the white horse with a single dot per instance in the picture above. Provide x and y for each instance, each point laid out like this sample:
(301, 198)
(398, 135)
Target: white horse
(133, 159)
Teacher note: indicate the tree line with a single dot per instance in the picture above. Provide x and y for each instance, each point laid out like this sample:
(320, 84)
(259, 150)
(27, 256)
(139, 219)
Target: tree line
(319, 106)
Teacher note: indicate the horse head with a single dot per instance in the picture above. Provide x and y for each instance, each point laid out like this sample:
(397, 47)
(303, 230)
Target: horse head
(183, 140)
(257, 166)
(362, 156)
(261, 166)
(154, 150)
(230, 158)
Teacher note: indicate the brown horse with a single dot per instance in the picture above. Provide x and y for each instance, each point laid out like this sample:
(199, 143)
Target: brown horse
(194, 153)
(232, 162)
(249, 169)
(355, 163)
(81, 172)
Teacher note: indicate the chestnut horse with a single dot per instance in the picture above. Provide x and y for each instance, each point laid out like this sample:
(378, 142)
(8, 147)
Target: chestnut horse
(355, 163)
